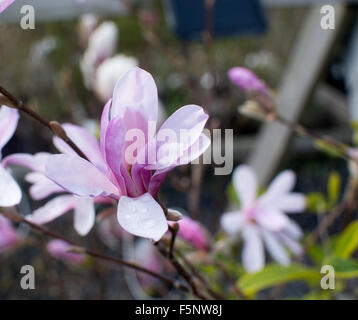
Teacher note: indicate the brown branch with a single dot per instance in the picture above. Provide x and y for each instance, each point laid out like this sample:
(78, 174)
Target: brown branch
(183, 272)
(17, 218)
(54, 126)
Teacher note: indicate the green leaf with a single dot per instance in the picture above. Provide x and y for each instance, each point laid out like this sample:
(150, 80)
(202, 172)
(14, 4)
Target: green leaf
(316, 202)
(333, 188)
(343, 268)
(273, 275)
(347, 242)
(328, 148)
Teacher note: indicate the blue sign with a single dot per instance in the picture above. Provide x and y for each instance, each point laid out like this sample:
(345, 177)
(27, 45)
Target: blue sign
(189, 18)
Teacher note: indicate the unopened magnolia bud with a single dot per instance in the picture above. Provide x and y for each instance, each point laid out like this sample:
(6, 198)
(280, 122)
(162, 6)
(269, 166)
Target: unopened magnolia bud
(76, 249)
(174, 215)
(254, 110)
(58, 130)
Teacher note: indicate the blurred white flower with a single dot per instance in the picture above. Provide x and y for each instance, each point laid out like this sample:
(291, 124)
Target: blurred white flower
(262, 220)
(102, 44)
(87, 24)
(109, 72)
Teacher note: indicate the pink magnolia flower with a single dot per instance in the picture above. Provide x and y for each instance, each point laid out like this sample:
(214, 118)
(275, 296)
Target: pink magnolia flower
(8, 235)
(124, 170)
(59, 250)
(247, 80)
(42, 187)
(263, 220)
(193, 232)
(10, 193)
(4, 4)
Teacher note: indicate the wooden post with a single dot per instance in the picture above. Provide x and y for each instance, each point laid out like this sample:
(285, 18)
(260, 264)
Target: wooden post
(307, 60)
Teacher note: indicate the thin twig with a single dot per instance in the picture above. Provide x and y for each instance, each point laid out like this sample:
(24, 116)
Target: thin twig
(17, 218)
(54, 126)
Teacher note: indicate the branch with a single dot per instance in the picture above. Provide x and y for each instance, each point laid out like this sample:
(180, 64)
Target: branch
(11, 101)
(17, 218)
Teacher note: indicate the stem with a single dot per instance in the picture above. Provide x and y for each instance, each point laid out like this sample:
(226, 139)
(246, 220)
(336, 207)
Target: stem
(339, 146)
(17, 218)
(54, 126)
(182, 271)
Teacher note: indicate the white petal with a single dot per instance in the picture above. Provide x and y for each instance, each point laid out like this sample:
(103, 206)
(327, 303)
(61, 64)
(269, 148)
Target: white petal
(271, 219)
(280, 186)
(276, 250)
(232, 222)
(291, 202)
(253, 254)
(79, 176)
(10, 192)
(85, 215)
(52, 209)
(42, 187)
(245, 184)
(8, 123)
(142, 216)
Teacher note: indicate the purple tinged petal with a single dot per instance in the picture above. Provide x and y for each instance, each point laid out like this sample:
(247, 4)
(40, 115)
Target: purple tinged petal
(156, 181)
(142, 216)
(4, 4)
(245, 184)
(232, 222)
(84, 215)
(10, 192)
(114, 150)
(104, 125)
(53, 209)
(87, 143)
(79, 176)
(8, 123)
(136, 90)
(253, 254)
(8, 235)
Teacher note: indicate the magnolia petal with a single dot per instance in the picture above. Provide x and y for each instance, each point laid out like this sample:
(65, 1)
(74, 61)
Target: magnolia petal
(53, 209)
(196, 150)
(253, 254)
(34, 162)
(42, 187)
(86, 142)
(4, 4)
(292, 244)
(245, 184)
(156, 181)
(292, 202)
(270, 219)
(79, 176)
(136, 89)
(142, 216)
(276, 250)
(8, 123)
(104, 124)
(10, 192)
(114, 151)
(280, 186)
(293, 230)
(84, 215)
(232, 222)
